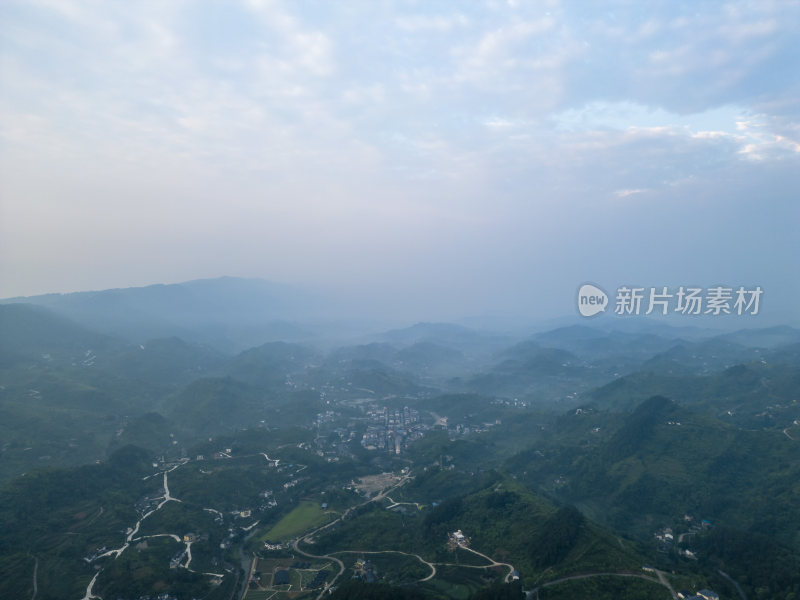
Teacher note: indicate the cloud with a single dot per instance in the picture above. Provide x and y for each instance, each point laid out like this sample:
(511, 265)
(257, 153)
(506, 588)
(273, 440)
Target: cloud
(496, 54)
(427, 23)
(627, 193)
(274, 134)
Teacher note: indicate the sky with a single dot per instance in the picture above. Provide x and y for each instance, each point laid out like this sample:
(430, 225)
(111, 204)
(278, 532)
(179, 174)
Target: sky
(439, 159)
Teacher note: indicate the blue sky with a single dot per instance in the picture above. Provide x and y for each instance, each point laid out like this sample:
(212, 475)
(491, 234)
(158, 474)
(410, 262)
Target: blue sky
(432, 158)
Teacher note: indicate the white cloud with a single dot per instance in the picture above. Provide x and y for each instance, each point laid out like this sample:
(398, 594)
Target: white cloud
(496, 52)
(305, 49)
(427, 23)
(292, 124)
(627, 193)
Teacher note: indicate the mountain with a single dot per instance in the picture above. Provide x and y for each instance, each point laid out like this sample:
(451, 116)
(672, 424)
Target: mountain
(757, 394)
(33, 333)
(428, 356)
(771, 337)
(457, 337)
(701, 357)
(380, 352)
(166, 360)
(67, 393)
(500, 518)
(216, 404)
(664, 460)
(538, 374)
(595, 344)
(230, 313)
(272, 364)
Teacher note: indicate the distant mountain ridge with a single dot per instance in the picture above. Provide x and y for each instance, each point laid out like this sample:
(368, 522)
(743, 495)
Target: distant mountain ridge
(228, 312)
(33, 332)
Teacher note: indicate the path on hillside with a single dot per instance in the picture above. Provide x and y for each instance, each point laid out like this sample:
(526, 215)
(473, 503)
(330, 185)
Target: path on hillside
(683, 535)
(318, 556)
(89, 595)
(305, 538)
(493, 562)
(271, 460)
(394, 504)
(431, 566)
(590, 575)
(166, 498)
(735, 584)
(35, 583)
(662, 578)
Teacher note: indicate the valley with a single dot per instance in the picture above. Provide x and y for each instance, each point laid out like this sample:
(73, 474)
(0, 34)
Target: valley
(175, 470)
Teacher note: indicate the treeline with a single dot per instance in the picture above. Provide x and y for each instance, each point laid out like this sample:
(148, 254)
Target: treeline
(359, 590)
(33, 505)
(764, 568)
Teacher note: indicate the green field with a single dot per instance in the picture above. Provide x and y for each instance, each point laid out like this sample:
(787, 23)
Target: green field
(306, 516)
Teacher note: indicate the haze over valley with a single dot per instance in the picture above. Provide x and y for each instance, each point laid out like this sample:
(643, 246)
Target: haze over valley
(193, 438)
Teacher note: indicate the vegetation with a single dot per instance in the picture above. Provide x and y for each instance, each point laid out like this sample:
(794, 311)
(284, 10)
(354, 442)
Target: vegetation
(621, 588)
(304, 517)
(358, 590)
(573, 452)
(772, 570)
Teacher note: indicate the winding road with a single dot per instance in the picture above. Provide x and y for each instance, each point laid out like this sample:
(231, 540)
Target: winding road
(296, 544)
(89, 595)
(296, 547)
(35, 583)
(493, 562)
(739, 589)
(662, 579)
(394, 504)
(431, 566)
(380, 496)
(590, 575)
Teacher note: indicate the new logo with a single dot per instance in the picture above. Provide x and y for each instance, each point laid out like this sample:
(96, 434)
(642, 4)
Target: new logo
(591, 300)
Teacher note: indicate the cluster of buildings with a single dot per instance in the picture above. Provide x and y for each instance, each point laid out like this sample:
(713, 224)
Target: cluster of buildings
(456, 539)
(363, 569)
(462, 430)
(326, 417)
(269, 500)
(274, 545)
(392, 430)
(665, 538)
(515, 402)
